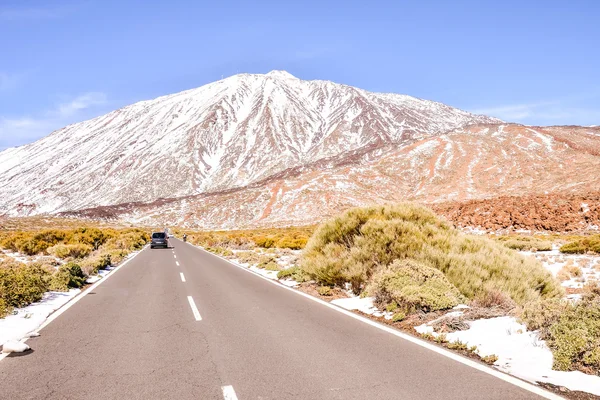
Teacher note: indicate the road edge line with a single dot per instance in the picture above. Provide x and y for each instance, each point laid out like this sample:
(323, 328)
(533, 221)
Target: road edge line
(454, 356)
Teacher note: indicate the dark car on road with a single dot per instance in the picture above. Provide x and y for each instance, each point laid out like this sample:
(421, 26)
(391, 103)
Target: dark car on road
(159, 239)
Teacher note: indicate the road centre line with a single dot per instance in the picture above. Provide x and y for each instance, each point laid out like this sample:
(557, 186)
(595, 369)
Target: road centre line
(177, 262)
(182, 277)
(194, 309)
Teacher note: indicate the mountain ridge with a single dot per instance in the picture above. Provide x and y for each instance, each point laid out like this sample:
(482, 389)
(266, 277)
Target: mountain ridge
(226, 134)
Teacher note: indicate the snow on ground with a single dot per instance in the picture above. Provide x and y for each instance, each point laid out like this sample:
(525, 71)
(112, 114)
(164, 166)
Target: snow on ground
(554, 261)
(362, 304)
(521, 353)
(28, 319)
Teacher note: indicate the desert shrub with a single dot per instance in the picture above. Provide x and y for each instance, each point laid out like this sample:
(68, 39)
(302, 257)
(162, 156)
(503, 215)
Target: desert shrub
(571, 331)
(70, 250)
(324, 291)
(294, 273)
(22, 284)
(116, 256)
(569, 271)
(399, 316)
(222, 251)
(95, 262)
(525, 243)
(271, 266)
(5, 309)
(249, 257)
(582, 245)
(490, 359)
(591, 291)
(353, 246)
(413, 286)
(457, 345)
(68, 276)
(264, 260)
(493, 299)
(128, 240)
(292, 243)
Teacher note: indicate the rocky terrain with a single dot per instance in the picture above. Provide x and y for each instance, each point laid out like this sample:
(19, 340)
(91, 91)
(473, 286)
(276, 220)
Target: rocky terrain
(535, 213)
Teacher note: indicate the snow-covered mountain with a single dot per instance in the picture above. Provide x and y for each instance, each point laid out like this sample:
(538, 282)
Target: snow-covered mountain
(475, 162)
(224, 135)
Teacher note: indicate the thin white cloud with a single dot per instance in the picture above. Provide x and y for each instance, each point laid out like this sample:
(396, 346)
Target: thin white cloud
(544, 113)
(15, 131)
(81, 102)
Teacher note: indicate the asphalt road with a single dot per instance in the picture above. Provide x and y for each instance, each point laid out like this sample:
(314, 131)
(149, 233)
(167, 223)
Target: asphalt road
(136, 336)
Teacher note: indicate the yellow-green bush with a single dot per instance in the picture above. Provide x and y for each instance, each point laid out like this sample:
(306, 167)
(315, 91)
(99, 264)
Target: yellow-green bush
(571, 331)
(291, 238)
(525, 243)
(63, 251)
(582, 245)
(22, 284)
(294, 273)
(5, 309)
(68, 276)
(413, 286)
(354, 246)
(95, 262)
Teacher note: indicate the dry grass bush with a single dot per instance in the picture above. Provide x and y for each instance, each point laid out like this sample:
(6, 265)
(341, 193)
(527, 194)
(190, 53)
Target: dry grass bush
(569, 271)
(70, 250)
(450, 324)
(571, 331)
(413, 286)
(356, 245)
(494, 299)
(528, 243)
(582, 245)
(248, 257)
(293, 238)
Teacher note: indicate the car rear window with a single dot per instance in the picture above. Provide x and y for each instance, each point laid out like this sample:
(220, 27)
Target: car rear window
(158, 235)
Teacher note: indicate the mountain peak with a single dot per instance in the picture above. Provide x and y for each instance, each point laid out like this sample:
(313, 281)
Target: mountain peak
(280, 74)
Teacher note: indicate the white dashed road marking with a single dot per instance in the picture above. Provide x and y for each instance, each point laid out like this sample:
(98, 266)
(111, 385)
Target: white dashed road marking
(194, 309)
(177, 262)
(182, 277)
(229, 393)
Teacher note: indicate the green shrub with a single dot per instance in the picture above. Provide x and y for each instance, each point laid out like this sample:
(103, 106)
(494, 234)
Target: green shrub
(271, 266)
(399, 316)
(582, 245)
(68, 276)
(354, 246)
(413, 286)
(571, 331)
(22, 284)
(490, 359)
(525, 243)
(70, 250)
(265, 260)
(294, 273)
(457, 345)
(324, 291)
(5, 309)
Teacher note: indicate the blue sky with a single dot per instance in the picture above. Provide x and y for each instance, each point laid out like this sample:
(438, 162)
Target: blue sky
(64, 61)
